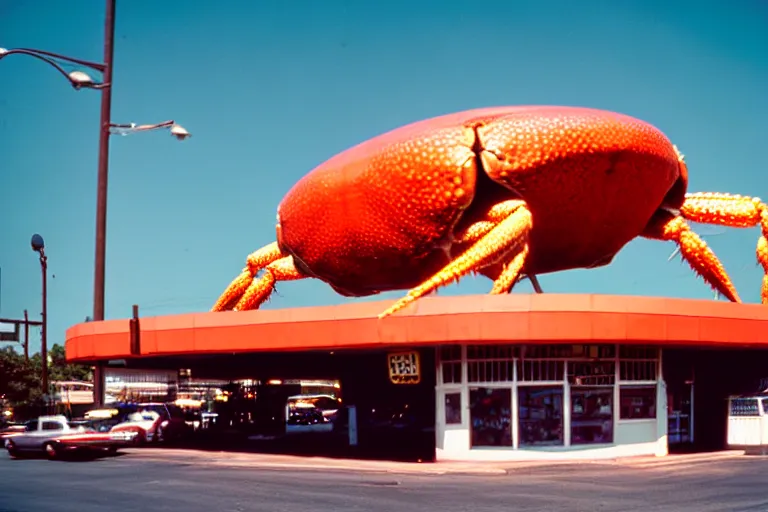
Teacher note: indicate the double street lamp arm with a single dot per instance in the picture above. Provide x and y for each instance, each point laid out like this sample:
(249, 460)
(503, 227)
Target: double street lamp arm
(96, 66)
(79, 80)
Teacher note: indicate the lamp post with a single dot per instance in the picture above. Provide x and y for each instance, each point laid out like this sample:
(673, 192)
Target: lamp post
(38, 245)
(81, 80)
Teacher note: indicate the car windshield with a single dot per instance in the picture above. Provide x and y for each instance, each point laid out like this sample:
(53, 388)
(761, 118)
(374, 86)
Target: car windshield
(143, 416)
(158, 409)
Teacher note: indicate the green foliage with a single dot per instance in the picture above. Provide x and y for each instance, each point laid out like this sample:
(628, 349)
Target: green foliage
(20, 379)
(59, 369)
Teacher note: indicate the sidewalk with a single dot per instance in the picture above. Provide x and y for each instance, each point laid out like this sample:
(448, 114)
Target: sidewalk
(269, 461)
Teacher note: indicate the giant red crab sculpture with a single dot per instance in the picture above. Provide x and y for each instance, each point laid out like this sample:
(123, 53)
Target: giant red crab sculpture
(503, 192)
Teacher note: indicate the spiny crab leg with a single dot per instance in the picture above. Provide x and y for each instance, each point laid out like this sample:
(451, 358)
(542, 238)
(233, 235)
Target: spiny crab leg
(508, 234)
(733, 211)
(245, 292)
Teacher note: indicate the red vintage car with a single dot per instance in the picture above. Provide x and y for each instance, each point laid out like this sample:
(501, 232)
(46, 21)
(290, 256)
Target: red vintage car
(155, 422)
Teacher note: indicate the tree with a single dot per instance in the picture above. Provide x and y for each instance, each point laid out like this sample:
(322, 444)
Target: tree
(19, 380)
(59, 369)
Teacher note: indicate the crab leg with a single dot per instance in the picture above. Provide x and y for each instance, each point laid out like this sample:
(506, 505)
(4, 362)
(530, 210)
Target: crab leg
(477, 230)
(259, 291)
(732, 211)
(535, 283)
(244, 293)
(491, 242)
(667, 226)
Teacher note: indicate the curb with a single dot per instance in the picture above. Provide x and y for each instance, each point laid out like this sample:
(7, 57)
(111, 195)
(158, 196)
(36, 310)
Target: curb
(283, 462)
(225, 459)
(679, 460)
(363, 469)
(687, 456)
(345, 468)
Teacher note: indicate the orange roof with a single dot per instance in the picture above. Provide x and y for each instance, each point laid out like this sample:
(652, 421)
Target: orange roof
(517, 318)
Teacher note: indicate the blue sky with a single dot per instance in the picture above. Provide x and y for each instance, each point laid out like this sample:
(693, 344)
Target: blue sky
(272, 88)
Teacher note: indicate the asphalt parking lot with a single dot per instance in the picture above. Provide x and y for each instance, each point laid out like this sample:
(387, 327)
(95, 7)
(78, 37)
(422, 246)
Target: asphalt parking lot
(152, 481)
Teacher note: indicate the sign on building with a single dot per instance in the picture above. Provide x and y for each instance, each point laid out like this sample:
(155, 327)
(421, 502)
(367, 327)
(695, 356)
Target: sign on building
(404, 367)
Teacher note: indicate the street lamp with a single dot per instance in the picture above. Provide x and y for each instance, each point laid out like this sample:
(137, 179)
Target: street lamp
(176, 130)
(38, 245)
(81, 80)
(78, 79)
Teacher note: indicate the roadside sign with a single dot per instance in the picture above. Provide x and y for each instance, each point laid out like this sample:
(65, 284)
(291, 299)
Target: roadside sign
(6, 335)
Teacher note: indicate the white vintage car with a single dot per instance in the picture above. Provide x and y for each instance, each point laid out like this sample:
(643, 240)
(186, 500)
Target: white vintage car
(54, 436)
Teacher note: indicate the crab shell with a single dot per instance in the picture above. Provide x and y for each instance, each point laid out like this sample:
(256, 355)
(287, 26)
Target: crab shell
(382, 215)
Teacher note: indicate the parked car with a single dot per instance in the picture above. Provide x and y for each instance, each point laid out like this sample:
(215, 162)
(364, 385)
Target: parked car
(105, 418)
(11, 429)
(155, 422)
(54, 436)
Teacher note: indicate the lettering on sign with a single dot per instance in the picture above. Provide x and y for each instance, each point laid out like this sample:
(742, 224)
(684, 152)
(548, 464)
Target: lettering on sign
(404, 367)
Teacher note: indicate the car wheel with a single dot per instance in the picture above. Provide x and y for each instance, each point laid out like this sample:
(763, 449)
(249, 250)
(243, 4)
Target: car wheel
(140, 438)
(50, 451)
(13, 453)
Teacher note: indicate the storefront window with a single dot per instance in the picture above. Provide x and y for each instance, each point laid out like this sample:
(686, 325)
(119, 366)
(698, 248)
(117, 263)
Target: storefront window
(541, 415)
(744, 407)
(452, 408)
(637, 402)
(491, 416)
(591, 415)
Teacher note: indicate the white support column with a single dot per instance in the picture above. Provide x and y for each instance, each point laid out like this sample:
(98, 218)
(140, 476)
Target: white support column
(439, 401)
(466, 420)
(616, 392)
(662, 421)
(566, 407)
(515, 408)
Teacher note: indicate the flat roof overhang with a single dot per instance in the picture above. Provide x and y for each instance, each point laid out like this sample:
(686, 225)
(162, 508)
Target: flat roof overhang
(514, 318)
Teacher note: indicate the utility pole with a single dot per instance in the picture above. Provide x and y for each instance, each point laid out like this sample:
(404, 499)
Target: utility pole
(79, 80)
(26, 336)
(38, 246)
(15, 335)
(101, 192)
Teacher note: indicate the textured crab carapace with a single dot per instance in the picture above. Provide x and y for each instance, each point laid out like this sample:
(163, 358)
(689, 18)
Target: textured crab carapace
(500, 191)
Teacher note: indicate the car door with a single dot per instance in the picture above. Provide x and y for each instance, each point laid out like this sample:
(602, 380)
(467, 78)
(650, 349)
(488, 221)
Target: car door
(48, 430)
(25, 439)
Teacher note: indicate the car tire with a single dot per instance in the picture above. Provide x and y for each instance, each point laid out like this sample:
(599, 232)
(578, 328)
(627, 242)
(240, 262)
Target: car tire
(13, 453)
(139, 439)
(51, 451)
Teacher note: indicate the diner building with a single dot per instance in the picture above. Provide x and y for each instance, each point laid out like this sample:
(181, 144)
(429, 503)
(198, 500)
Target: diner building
(470, 378)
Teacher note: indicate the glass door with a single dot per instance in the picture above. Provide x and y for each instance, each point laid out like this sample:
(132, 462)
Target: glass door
(680, 415)
(490, 415)
(540, 410)
(591, 415)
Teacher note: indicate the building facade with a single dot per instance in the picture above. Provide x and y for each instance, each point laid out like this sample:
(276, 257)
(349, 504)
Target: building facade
(510, 402)
(505, 377)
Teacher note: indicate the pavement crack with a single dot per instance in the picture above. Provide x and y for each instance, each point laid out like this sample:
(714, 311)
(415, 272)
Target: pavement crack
(386, 483)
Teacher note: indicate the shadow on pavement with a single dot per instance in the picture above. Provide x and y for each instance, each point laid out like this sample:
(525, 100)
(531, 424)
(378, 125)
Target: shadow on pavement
(391, 447)
(75, 456)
